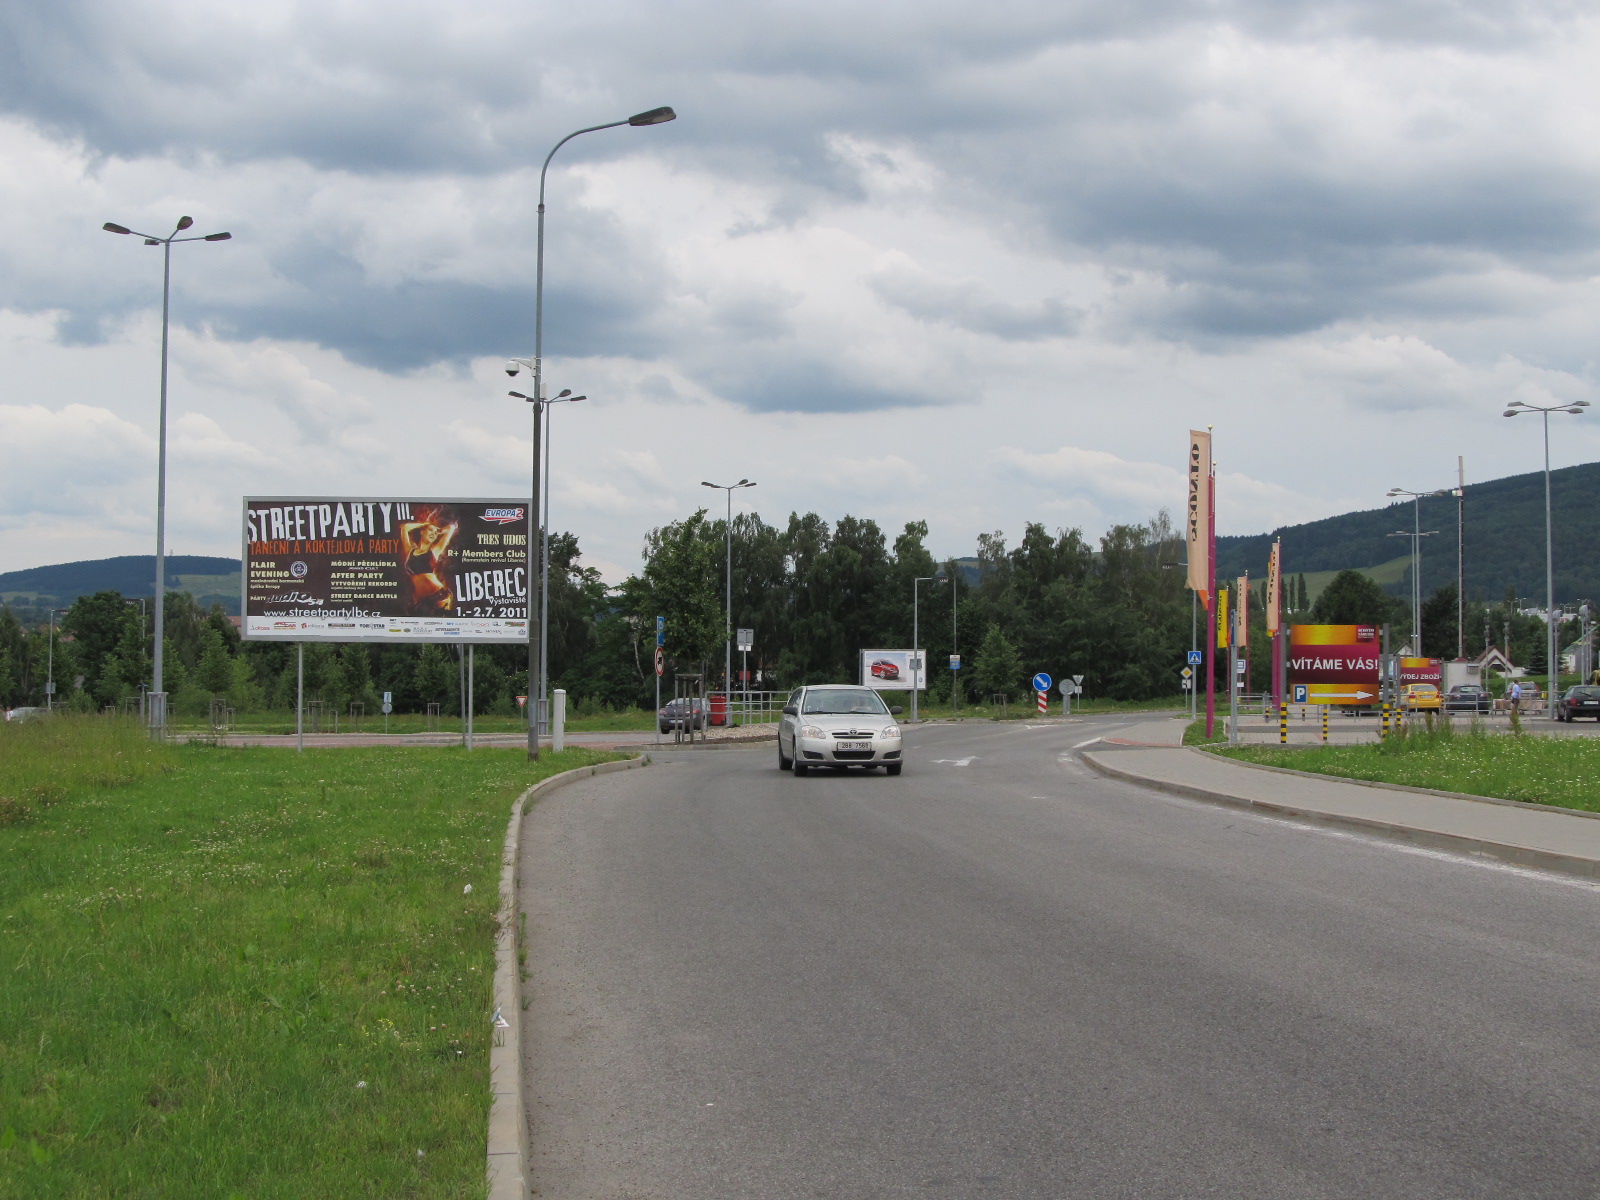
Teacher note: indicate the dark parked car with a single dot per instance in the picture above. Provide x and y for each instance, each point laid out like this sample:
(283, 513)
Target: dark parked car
(682, 713)
(1579, 702)
(1468, 697)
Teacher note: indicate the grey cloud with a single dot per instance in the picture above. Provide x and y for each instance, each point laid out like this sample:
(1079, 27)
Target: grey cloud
(968, 304)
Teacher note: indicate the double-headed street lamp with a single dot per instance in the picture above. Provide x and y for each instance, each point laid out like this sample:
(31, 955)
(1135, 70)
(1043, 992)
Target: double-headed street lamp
(655, 116)
(727, 647)
(1416, 535)
(917, 670)
(1576, 407)
(538, 567)
(157, 714)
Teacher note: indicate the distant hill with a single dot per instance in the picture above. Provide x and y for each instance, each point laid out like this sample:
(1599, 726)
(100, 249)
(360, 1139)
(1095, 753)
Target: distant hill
(209, 579)
(1503, 533)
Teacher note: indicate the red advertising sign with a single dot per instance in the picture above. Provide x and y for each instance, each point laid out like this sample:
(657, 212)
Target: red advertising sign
(1333, 664)
(1422, 670)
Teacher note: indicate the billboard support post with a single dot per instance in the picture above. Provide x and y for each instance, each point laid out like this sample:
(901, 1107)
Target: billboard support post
(1211, 601)
(300, 697)
(471, 697)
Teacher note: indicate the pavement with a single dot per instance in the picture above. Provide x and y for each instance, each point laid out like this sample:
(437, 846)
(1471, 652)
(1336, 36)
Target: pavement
(1003, 975)
(1531, 835)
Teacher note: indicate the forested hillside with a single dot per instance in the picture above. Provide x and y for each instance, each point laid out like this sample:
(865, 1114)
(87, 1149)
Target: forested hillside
(1504, 534)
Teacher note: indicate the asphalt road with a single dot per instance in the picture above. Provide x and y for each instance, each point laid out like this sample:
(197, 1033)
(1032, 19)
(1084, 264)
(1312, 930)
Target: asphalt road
(1000, 975)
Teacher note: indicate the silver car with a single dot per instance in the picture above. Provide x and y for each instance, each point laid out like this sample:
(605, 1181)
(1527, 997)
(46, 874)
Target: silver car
(838, 725)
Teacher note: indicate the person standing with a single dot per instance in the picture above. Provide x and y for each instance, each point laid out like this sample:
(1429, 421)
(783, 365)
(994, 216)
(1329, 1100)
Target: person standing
(1516, 695)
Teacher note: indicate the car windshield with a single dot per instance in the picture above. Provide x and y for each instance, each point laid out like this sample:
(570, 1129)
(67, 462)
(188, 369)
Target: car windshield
(1584, 693)
(842, 701)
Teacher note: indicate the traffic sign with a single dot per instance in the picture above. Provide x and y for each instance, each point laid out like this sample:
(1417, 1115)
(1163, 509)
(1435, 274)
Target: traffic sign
(388, 697)
(1078, 679)
(1188, 672)
(1196, 657)
(1041, 682)
(661, 661)
(746, 640)
(661, 633)
(955, 662)
(1240, 665)
(1300, 690)
(1067, 687)
(522, 701)
(1187, 684)
(387, 708)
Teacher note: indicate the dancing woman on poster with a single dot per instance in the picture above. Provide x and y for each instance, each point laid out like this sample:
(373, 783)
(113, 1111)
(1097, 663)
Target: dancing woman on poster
(426, 544)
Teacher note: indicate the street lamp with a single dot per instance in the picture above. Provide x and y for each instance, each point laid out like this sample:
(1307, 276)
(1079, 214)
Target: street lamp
(536, 545)
(1513, 409)
(565, 397)
(158, 696)
(1416, 536)
(916, 633)
(655, 116)
(50, 669)
(727, 616)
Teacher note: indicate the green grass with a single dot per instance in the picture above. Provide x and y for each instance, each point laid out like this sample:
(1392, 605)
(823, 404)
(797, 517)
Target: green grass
(247, 972)
(413, 723)
(1538, 770)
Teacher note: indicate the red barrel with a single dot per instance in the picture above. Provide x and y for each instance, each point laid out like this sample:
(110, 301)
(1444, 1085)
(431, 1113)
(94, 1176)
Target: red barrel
(719, 708)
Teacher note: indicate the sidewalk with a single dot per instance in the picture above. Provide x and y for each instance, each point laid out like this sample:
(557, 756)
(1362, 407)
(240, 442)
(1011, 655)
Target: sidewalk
(1527, 835)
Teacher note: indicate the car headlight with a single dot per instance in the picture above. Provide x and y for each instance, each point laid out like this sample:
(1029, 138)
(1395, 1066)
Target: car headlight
(889, 731)
(811, 731)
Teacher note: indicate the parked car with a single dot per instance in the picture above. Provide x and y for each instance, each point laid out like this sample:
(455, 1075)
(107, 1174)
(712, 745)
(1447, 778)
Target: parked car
(1419, 697)
(27, 714)
(884, 669)
(1468, 697)
(683, 713)
(839, 726)
(1581, 701)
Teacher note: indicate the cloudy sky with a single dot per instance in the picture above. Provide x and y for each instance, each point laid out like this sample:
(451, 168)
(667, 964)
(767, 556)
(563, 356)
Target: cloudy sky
(972, 264)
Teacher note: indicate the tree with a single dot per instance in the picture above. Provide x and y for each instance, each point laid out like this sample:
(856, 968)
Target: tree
(1439, 620)
(434, 678)
(1351, 599)
(215, 670)
(997, 666)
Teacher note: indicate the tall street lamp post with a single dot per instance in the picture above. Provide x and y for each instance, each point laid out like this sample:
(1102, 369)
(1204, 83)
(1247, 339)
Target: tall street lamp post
(727, 613)
(656, 116)
(1513, 409)
(158, 695)
(536, 552)
(50, 667)
(916, 644)
(1416, 536)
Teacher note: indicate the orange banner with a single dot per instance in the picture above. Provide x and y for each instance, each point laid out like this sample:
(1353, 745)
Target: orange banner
(1242, 590)
(1274, 588)
(1197, 527)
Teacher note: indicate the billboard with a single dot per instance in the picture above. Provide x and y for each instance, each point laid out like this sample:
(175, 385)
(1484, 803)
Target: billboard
(1422, 670)
(1333, 664)
(342, 569)
(890, 670)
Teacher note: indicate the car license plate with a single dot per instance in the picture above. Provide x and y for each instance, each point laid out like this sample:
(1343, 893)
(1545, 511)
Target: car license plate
(853, 746)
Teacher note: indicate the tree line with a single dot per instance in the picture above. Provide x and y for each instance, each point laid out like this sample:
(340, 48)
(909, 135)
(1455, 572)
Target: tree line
(1115, 611)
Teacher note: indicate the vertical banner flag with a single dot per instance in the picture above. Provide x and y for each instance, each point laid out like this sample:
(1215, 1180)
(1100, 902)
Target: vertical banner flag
(1274, 585)
(1198, 513)
(1242, 590)
(1222, 619)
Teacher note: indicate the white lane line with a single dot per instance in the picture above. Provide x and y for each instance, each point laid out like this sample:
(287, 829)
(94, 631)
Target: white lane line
(1090, 742)
(956, 762)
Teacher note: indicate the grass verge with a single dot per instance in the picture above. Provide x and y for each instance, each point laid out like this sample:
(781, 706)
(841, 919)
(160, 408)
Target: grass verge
(245, 972)
(1537, 770)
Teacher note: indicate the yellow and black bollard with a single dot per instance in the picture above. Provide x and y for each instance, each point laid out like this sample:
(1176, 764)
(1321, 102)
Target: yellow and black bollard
(1324, 724)
(1383, 730)
(1283, 722)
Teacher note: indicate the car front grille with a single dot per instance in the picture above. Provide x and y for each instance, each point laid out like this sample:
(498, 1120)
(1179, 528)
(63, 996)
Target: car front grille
(852, 755)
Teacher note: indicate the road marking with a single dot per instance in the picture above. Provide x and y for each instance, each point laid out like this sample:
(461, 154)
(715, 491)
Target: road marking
(957, 762)
(1090, 742)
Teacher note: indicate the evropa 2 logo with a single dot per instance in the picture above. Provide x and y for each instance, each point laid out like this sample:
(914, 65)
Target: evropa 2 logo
(502, 516)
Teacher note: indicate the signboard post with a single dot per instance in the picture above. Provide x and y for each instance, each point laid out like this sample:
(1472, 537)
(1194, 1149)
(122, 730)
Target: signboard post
(747, 642)
(661, 666)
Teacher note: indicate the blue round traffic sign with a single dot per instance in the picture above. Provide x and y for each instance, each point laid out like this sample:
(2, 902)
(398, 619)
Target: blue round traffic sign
(1041, 682)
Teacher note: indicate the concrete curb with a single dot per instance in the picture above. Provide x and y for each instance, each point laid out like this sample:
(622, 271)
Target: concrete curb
(1522, 856)
(506, 1167)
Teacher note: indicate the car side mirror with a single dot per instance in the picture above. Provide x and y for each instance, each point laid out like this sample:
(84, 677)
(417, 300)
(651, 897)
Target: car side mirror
(791, 710)
(895, 710)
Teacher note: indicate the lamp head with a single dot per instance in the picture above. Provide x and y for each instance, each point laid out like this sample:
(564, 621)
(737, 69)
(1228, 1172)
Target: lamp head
(152, 241)
(113, 227)
(520, 396)
(1510, 412)
(184, 223)
(704, 483)
(217, 237)
(656, 116)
